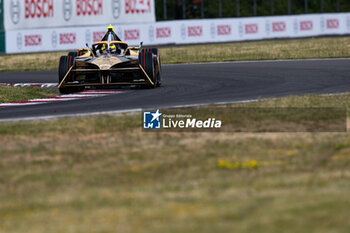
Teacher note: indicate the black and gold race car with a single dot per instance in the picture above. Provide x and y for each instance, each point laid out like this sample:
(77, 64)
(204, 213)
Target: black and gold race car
(109, 62)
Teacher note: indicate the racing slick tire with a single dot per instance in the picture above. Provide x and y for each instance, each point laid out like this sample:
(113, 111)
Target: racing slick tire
(66, 62)
(75, 54)
(159, 73)
(72, 54)
(147, 62)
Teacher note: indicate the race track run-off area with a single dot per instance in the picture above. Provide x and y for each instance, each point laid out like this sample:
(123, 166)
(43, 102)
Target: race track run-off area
(191, 84)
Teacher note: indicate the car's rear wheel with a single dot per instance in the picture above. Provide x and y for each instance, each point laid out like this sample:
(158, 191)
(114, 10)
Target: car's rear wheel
(75, 54)
(159, 64)
(148, 63)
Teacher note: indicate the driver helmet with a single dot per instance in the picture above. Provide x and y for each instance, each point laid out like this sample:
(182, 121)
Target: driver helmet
(103, 49)
(113, 48)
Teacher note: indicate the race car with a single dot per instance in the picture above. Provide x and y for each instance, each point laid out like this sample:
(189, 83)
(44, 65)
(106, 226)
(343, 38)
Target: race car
(108, 63)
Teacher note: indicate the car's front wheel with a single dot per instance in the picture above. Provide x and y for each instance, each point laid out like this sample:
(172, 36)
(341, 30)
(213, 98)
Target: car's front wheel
(66, 62)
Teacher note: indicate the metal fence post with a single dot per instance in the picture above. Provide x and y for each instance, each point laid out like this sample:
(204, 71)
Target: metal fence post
(338, 5)
(322, 6)
(164, 9)
(220, 8)
(254, 7)
(289, 7)
(184, 9)
(271, 7)
(202, 9)
(306, 6)
(237, 8)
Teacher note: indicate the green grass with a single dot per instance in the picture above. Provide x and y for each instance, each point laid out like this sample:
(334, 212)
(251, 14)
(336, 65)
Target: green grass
(104, 174)
(336, 47)
(29, 62)
(12, 94)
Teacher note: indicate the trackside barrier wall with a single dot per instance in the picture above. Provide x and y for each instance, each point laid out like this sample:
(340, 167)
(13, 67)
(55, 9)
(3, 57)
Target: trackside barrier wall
(32, 14)
(182, 32)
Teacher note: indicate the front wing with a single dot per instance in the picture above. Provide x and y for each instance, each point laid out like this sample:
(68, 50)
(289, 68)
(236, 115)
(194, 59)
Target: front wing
(135, 75)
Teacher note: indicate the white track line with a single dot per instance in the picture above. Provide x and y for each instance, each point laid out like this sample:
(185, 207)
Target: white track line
(81, 95)
(127, 111)
(43, 85)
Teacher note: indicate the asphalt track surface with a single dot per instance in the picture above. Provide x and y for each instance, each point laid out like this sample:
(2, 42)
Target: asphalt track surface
(195, 84)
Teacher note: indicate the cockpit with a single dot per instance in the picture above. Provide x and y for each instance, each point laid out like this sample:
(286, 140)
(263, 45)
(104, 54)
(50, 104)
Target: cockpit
(110, 44)
(109, 47)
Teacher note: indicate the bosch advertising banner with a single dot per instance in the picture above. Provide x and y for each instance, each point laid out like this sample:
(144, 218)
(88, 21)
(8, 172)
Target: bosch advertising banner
(27, 14)
(181, 32)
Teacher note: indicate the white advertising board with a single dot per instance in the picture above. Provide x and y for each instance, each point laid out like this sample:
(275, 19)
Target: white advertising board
(30, 14)
(181, 32)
